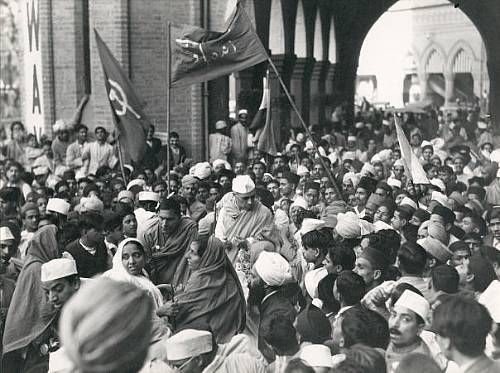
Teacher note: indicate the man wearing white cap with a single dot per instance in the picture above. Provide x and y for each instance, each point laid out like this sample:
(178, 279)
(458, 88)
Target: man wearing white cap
(406, 321)
(219, 143)
(58, 210)
(242, 217)
(60, 280)
(147, 207)
(239, 137)
(195, 351)
(318, 357)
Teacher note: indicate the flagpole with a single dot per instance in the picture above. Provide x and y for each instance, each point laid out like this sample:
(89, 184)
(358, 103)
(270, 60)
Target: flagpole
(168, 105)
(120, 158)
(294, 107)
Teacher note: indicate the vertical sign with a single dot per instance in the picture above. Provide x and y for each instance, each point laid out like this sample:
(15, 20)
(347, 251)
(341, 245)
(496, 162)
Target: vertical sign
(33, 80)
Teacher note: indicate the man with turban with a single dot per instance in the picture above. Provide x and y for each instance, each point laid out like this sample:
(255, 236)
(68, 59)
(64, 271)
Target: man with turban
(101, 323)
(195, 209)
(269, 274)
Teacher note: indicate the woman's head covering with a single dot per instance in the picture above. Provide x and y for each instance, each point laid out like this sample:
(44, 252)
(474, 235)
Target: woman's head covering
(120, 273)
(43, 245)
(106, 327)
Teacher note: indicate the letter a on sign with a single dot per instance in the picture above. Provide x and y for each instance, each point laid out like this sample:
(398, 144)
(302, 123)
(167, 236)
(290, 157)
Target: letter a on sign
(36, 94)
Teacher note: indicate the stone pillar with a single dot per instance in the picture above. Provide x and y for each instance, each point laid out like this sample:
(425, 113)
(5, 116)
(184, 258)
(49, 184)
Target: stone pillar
(300, 89)
(279, 103)
(318, 92)
(422, 78)
(449, 87)
(329, 107)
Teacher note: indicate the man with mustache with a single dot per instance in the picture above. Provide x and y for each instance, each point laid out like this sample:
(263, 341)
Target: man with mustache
(406, 321)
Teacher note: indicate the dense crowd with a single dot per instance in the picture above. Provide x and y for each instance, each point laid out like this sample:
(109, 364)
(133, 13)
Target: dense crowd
(324, 257)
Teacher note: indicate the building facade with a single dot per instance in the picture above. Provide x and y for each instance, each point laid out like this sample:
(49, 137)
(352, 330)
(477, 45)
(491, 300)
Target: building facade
(437, 55)
(315, 45)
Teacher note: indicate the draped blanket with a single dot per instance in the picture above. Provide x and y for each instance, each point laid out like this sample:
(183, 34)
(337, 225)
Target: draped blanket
(24, 320)
(166, 252)
(257, 223)
(213, 294)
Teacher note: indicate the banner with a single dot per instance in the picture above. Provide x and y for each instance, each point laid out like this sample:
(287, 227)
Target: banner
(130, 121)
(198, 55)
(32, 59)
(410, 160)
(267, 136)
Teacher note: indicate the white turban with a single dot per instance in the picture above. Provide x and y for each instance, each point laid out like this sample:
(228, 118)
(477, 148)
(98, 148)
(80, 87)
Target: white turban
(272, 268)
(353, 177)
(348, 225)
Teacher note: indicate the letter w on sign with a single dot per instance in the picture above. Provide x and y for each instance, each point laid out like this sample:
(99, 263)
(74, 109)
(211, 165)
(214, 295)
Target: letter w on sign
(198, 55)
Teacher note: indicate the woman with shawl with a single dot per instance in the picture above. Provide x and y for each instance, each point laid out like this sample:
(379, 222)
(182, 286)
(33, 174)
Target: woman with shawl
(213, 293)
(128, 266)
(29, 313)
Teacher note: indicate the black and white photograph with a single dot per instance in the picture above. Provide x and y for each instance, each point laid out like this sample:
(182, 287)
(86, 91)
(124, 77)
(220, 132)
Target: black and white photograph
(249, 186)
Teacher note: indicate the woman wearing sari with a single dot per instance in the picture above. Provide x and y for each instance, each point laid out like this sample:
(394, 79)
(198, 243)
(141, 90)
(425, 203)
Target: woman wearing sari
(212, 294)
(128, 266)
(29, 313)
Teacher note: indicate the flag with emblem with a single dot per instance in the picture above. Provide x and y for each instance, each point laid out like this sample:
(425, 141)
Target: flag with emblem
(199, 55)
(263, 123)
(131, 123)
(411, 163)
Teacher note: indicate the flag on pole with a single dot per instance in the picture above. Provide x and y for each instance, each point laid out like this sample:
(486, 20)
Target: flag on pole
(130, 121)
(199, 55)
(411, 163)
(267, 136)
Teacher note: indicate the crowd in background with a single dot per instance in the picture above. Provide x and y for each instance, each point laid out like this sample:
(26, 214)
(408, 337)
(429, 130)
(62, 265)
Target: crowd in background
(324, 257)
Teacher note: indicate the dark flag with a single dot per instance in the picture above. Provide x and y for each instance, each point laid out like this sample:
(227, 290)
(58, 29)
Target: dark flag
(128, 116)
(198, 55)
(267, 136)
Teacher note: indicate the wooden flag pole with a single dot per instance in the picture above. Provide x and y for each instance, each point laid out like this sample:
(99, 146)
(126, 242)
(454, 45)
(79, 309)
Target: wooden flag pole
(169, 61)
(301, 120)
(120, 158)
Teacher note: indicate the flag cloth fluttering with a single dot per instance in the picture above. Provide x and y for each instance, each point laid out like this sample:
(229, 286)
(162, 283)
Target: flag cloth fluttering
(130, 121)
(199, 55)
(411, 163)
(267, 136)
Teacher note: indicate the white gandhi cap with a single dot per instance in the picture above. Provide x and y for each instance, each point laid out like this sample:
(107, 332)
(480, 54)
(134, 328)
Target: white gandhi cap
(188, 343)
(415, 303)
(58, 205)
(58, 268)
(5, 234)
(317, 356)
(149, 196)
(243, 185)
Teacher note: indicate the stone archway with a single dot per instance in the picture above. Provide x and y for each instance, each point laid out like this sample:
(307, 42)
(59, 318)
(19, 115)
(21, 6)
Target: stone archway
(354, 19)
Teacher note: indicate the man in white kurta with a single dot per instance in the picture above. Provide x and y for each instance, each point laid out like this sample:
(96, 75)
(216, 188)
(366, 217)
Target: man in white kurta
(99, 153)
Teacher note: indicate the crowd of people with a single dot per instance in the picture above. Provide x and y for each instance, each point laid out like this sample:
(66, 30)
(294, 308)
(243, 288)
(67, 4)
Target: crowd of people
(325, 257)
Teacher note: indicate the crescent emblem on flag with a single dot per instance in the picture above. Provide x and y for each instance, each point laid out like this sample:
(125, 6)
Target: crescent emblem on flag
(117, 94)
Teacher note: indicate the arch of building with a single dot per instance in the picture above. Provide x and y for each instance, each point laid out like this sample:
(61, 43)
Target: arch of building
(136, 35)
